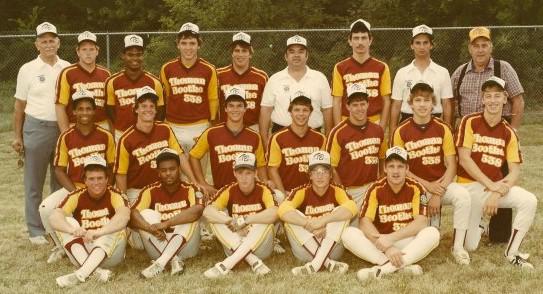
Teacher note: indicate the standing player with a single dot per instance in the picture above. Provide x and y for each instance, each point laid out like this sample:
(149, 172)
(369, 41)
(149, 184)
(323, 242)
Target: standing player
(121, 87)
(295, 77)
(74, 146)
(356, 146)
(289, 148)
(190, 84)
(246, 229)
(364, 69)
(242, 74)
(485, 142)
(432, 162)
(315, 216)
(167, 214)
(91, 224)
(421, 68)
(85, 74)
(34, 124)
(393, 231)
(224, 142)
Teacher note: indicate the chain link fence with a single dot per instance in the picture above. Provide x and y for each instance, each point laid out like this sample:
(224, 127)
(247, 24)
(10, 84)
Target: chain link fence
(521, 46)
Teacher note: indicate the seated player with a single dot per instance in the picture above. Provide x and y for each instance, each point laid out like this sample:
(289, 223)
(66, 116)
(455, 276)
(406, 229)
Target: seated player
(432, 162)
(485, 141)
(242, 217)
(166, 214)
(91, 225)
(315, 216)
(393, 232)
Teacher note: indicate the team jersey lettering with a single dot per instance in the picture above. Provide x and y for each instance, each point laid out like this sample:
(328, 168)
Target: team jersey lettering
(318, 211)
(233, 149)
(238, 209)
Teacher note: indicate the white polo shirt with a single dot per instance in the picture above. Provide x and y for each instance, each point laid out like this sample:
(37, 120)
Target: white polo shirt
(36, 84)
(281, 86)
(435, 74)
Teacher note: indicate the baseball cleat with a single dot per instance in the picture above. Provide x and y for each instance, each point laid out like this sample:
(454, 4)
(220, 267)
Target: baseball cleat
(69, 280)
(57, 254)
(102, 275)
(38, 240)
(337, 267)
(260, 268)
(176, 266)
(369, 273)
(306, 269)
(412, 269)
(277, 248)
(461, 256)
(218, 270)
(152, 271)
(520, 260)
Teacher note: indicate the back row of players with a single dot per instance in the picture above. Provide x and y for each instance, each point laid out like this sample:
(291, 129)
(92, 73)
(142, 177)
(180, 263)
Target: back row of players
(355, 160)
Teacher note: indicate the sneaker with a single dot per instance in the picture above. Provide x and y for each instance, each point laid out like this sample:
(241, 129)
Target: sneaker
(176, 266)
(218, 270)
(152, 271)
(38, 240)
(260, 268)
(369, 273)
(412, 269)
(69, 280)
(102, 275)
(57, 254)
(461, 256)
(205, 234)
(337, 267)
(277, 248)
(306, 269)
(520, 260)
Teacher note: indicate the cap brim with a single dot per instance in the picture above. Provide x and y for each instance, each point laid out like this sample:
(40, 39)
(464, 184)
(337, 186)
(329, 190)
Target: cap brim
(491, 83)
(91, 99)
(167, 156)
(301, 98)
(395, 156)
(428, 34)
(299, 44)
(52, 33)
(245, 166)
(480, 36)
(87, 40)
(94, 164)
(234, 98)
(329, 166)
(241, 42)
(148, 96)
(356, 95)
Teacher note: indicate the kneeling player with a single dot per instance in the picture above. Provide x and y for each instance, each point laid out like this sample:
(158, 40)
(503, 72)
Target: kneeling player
(90, 223)
(166, 214)
(315, 216)
(246, 230)
(393, 231)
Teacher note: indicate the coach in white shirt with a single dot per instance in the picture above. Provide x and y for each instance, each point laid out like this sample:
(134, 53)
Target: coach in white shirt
(35, 123)
(297, 76)
(422, 68)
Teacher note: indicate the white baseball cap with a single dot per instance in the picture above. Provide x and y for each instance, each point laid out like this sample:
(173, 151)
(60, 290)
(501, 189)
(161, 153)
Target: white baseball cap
(167, 153)
(397, 152)
(365, 23)
(493, 80)
(356, 88)
(299, 94)
(422, 85)
(82, 93)
(319, 158)
(189, 27)
(234, 91)
(297, 40)
(86, 36)
(144, 91)
(46, 27)
(422, 29)
(242, 37)
(133, 41)
(245, 160)
(95, 159)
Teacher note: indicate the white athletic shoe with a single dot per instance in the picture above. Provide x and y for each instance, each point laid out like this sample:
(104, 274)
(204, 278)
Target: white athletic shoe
(369, 273)
(103, 275)
(218, 270)
(152, 271)
(57, 254)
(412, 269)
(69, 280)
(337, 267)
(176, 265)
(38, 240)
(306, 269)
(260, 268)
(277, 248)
(520, 260)
(461, 256)
(205, 234)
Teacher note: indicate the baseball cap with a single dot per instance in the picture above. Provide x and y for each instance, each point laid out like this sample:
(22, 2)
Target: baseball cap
(319, 158)
(83, 93)
(242, 37)
(234, 92)
(360, 22)
(493, 81)
(477, 32)
(396, 152)
(133, 41)
(357, 90)
(86, 36)
(422, 85)
(146, 92)
(297, 40)
(189, 27)
(167, 154)
(245, 160)
(423, 29)
(46, 27)
(95, 159)
(299, 95)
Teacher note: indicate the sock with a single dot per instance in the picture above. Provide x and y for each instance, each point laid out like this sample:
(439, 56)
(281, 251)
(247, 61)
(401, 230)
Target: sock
(94, 259)
(514, 243)
(322, 253)
(174, 245)
(459, 237)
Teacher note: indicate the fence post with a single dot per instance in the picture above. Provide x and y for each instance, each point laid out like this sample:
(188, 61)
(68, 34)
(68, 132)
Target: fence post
(107, 51)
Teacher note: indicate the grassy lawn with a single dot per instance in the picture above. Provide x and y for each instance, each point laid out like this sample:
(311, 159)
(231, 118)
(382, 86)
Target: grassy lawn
(23, 267)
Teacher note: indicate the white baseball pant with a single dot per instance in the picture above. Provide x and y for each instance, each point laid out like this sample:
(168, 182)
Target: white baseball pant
(186, 136)
(357, 194)
(134, 238)
(47, 206)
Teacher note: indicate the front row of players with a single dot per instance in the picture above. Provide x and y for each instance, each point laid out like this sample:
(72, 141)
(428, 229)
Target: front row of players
(392, 231)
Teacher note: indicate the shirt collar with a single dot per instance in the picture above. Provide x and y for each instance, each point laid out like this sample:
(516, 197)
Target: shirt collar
(41, 63)
(431, 66)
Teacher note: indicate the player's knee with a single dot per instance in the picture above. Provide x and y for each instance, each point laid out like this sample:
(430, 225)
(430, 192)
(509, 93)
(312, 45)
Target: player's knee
(349, 235)
(431, 234)
(151, 216)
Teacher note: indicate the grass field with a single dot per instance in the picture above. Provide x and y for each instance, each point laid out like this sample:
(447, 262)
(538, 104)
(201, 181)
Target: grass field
(23, 267)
